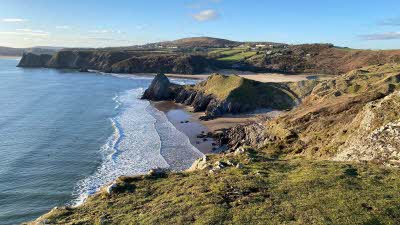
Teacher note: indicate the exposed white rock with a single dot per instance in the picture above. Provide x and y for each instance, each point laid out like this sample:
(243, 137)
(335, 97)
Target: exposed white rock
(200, 164)
(375, 138)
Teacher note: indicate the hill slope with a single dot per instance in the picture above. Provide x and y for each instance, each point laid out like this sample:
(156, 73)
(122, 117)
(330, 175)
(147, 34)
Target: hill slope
(354, 117)
(208, 42)
(258, 191)
(6, 51)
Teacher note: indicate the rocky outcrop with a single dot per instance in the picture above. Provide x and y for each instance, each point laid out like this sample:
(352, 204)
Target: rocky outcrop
(159, 89)
(220, 95)
(33, 60)
(375, 133)
(242, 135)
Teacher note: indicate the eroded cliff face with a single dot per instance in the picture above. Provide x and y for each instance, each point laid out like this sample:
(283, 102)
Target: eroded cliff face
(33, 60)
(184, 64)
(118, 62)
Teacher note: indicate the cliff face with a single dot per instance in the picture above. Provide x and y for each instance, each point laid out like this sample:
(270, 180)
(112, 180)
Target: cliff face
(281, 58)
(220, 95)
(184, 64)
(118, 62)
(33, 60)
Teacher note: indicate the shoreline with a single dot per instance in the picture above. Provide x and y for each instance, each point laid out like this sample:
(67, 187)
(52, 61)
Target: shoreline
(184, 121)
(10, 57)
(261, 77)
(189, 123)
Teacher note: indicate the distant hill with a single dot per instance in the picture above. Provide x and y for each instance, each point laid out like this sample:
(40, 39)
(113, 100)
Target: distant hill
(192, 42)
(7, 51)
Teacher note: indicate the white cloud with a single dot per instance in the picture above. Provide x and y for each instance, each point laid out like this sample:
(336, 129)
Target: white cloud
(14, 20)
(102, 31)
(30, 30)
(26, 32)
(381, 36)
(63, 27)
(206, 15)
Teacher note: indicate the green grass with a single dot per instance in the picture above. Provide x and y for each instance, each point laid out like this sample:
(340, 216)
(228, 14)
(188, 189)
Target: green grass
(238, 57)
(264, 191)
(232, 55)
(220, 86)
(218, 50)
(247, 92)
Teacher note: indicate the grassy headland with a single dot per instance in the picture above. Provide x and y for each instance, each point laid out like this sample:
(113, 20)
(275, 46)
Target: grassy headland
(260, 190)
(290, 174)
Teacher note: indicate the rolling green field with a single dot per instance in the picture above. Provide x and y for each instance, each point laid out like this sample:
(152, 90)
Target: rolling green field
(232, 55)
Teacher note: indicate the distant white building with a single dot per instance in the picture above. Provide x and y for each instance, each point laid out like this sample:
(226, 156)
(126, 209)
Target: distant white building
(260, 46)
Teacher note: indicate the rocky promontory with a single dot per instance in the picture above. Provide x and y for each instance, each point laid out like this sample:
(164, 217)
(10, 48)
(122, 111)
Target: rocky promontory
(219, 95)
(34, 60)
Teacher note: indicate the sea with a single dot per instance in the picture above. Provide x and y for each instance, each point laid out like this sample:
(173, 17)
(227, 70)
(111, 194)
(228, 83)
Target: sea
(65, 134)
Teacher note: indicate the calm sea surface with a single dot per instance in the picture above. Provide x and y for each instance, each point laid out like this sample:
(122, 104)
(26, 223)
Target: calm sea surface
(64, 134)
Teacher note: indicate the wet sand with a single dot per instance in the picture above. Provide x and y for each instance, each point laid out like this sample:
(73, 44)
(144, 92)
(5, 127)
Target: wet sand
(189, 123)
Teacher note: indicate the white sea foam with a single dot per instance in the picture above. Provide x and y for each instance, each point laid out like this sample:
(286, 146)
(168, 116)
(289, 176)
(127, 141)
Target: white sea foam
(142, 77)
(175, 146)
(134, 148)
(143, 139)
(116, 100)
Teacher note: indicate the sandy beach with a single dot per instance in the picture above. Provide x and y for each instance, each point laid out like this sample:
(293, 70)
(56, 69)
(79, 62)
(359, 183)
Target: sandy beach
(189, 123)
(10, 57)
(262, 77)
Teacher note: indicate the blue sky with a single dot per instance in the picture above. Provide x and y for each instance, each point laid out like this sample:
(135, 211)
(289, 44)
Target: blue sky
(99, 23)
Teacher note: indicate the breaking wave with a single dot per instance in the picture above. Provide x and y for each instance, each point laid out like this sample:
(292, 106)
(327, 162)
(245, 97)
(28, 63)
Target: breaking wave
(143, 139)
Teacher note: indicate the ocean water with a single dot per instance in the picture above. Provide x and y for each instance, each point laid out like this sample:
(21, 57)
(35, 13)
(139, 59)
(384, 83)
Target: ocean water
(64, 134)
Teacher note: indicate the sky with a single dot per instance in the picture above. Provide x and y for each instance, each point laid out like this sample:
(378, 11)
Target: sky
(367, 24)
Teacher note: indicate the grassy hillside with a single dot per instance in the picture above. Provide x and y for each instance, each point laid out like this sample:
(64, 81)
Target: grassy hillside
(247, 92)
(258, 191)
(338, 113)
